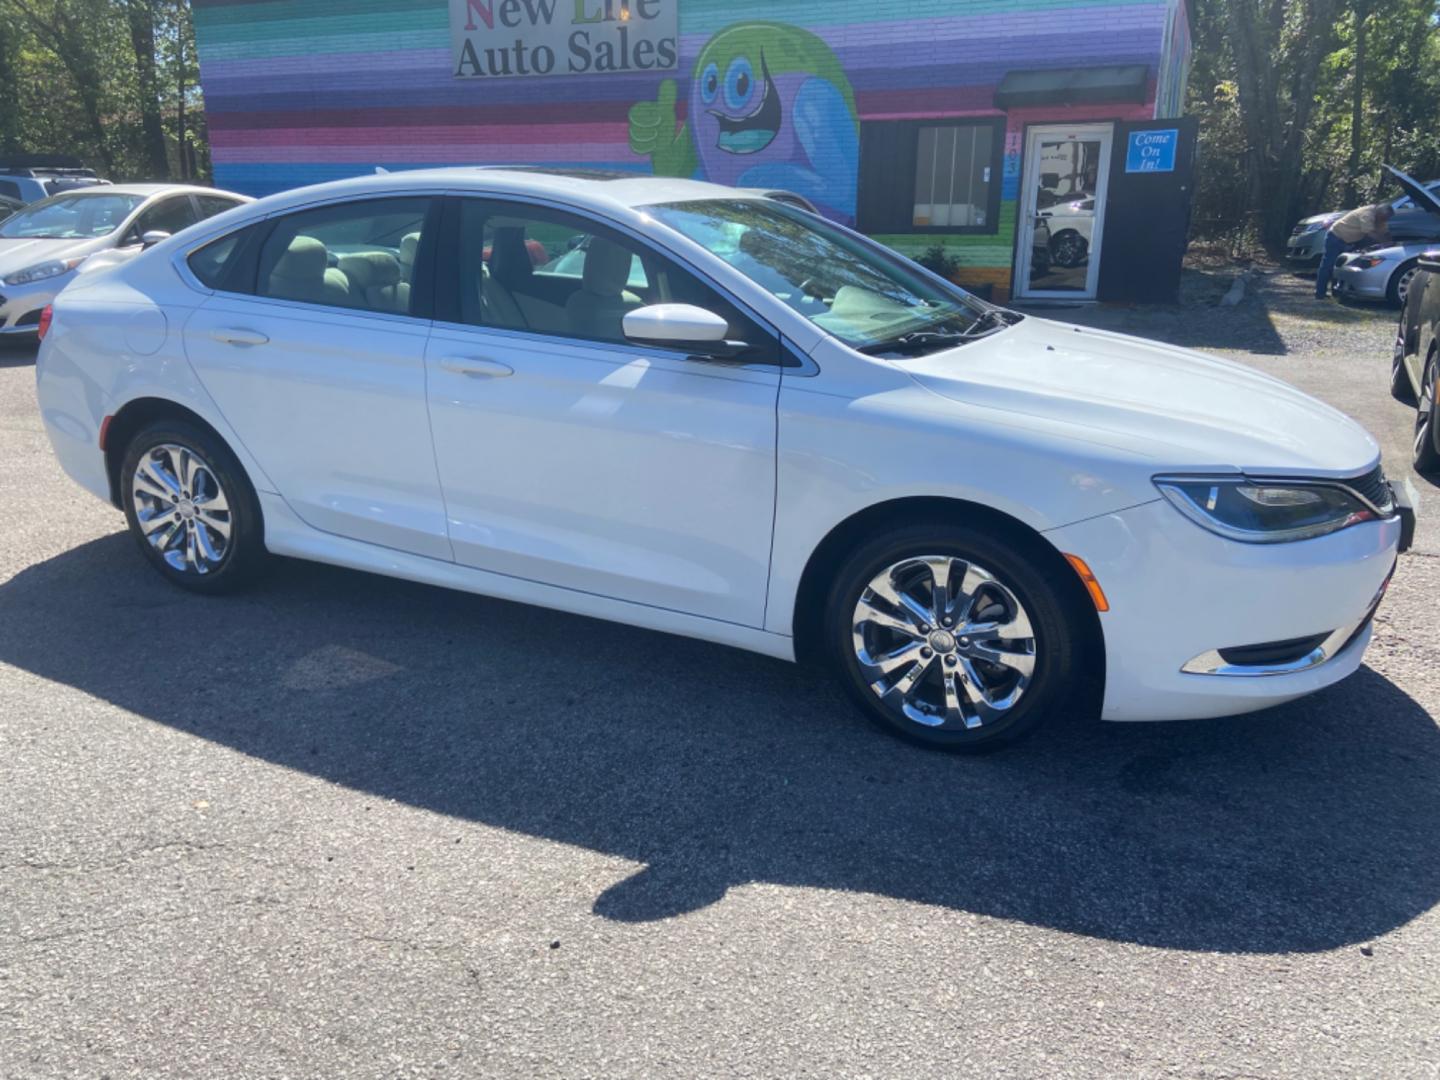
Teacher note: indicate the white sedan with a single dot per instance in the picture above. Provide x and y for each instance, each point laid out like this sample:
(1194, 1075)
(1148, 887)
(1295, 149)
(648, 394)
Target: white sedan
(47, 243)
(774, 434)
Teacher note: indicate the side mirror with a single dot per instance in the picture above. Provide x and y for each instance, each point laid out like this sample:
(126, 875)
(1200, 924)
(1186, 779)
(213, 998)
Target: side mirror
(153, 237)
(1430, 261)
(681, 326)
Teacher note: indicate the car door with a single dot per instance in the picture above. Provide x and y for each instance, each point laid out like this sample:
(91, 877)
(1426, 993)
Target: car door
(313, 347)
(572, 457)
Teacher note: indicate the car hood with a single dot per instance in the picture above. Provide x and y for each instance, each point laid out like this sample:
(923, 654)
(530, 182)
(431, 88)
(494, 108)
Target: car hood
(1174, 408)
(1323, 219)
(20, 252)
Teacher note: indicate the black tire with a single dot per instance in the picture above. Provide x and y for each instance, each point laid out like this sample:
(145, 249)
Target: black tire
(1426, 453)
(1019, 565)
(243, 555)
(1405, 272)
(1400, 388)
(1069, 249)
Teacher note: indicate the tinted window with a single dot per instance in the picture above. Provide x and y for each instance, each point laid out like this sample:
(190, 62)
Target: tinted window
(546, 272)
(10, 188)
(359, 255)
(168, 215)
(210, 205)
(210, 263)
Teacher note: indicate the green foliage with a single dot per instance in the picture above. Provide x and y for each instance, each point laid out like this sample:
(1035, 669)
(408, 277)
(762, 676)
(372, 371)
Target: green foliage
(939, 261)
(115, 82)
(1274, 84)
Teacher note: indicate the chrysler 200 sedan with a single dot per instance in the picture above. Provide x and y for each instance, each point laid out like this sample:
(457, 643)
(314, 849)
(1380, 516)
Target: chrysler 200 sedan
(730, 419)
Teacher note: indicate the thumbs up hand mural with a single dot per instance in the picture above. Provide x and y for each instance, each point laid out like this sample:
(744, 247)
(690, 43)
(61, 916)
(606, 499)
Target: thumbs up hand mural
(654, 135)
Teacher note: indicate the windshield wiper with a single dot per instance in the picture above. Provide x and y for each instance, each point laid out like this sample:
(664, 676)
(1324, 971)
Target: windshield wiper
(919, 341)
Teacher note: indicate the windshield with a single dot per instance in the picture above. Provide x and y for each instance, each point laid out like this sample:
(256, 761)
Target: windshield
(71, 217)
(860, 292)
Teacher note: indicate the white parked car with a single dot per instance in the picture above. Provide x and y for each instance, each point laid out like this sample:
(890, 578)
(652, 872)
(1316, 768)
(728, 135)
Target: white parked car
(781, 436)
(45, 244)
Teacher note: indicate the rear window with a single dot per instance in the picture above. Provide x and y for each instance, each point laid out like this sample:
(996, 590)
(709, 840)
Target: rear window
(211, 262)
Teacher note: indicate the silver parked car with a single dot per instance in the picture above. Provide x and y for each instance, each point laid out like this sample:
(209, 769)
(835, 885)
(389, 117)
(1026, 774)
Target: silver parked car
(29, 178)
(1307, 242)
(1386, 273)
(43, 246)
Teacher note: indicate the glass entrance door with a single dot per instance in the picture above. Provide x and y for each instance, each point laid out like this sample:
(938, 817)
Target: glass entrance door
(1062, 209)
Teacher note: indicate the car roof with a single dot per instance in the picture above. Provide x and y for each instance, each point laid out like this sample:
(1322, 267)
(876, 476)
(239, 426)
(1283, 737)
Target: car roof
(596, 188)
(146, 190)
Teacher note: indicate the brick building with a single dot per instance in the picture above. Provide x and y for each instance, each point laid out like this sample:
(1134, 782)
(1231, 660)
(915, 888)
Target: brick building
(1025, 147)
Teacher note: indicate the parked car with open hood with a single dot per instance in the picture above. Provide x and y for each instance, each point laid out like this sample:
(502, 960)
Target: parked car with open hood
(1411, 222)
(1385, 273)
(43, 245)
(727, 418)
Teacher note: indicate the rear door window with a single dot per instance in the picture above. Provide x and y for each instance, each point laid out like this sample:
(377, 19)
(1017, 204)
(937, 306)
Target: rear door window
(355, 255)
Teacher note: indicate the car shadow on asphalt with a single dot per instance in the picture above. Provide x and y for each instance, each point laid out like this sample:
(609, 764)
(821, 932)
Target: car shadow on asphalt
(12, 355)
(1304, 828)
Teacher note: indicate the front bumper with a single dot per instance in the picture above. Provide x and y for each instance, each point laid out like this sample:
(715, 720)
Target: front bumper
(1179, 593)
(20, 305)
(1357, 284)
(1305, 250)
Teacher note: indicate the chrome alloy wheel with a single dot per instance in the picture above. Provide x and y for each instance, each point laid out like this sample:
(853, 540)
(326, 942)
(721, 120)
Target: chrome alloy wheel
(943, 642)
(181, 508)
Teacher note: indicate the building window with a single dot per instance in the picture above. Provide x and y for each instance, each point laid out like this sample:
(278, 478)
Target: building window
(930, 177)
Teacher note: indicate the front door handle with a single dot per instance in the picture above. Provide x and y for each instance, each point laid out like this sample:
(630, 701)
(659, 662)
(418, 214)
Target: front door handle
(476, 367)
(237, 336)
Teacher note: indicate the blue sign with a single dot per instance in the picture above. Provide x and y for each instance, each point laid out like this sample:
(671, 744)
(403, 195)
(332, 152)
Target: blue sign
(1152, 151)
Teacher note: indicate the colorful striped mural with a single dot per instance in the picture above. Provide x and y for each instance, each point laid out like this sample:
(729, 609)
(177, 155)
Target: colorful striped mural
(303, 91)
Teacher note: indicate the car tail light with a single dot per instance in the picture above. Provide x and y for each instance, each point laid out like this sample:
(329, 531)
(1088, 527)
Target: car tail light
(47, 315)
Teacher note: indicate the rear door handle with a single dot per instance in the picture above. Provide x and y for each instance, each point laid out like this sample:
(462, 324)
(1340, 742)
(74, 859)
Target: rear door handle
(237, 336)
(476, 367)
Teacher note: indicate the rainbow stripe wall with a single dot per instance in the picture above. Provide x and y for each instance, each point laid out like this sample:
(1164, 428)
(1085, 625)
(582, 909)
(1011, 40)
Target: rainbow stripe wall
(303, 91)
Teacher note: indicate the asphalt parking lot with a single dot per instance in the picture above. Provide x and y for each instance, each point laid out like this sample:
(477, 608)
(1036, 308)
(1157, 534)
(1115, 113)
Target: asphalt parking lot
(344, 826)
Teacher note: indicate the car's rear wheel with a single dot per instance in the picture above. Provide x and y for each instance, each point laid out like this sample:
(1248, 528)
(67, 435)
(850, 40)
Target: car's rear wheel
(190, 507)
(1400, 388)
(951, 637)
(1426, 456)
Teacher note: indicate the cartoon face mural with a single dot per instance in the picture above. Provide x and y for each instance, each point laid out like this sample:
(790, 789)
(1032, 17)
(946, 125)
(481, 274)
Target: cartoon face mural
(768, 106)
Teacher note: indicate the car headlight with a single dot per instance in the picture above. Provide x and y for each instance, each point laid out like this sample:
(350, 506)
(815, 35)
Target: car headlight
(1264, 511)
(41, 271)
(1364, 262)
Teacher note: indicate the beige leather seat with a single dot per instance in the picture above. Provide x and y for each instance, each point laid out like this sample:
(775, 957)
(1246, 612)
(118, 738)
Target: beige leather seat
(597, 309)
(409, 244)
(375, 281)
(304, 273)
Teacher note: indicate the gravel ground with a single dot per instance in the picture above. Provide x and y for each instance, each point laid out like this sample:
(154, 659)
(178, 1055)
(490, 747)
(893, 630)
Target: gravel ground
(349, 827)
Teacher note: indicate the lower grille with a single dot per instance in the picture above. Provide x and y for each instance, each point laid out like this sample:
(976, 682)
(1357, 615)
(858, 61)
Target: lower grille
(1274, 652)
(30, 318)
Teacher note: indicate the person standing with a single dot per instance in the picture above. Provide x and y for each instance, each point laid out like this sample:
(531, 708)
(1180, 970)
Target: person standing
(1347, 232)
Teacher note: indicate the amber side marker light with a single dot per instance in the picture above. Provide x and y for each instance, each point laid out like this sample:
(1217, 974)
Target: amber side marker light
(1097, 594)
(47, 313)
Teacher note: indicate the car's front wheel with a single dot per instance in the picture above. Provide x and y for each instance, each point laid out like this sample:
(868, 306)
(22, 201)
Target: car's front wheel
(190, 507)
(951, 637)
(1400, 281)
(1426, 456)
